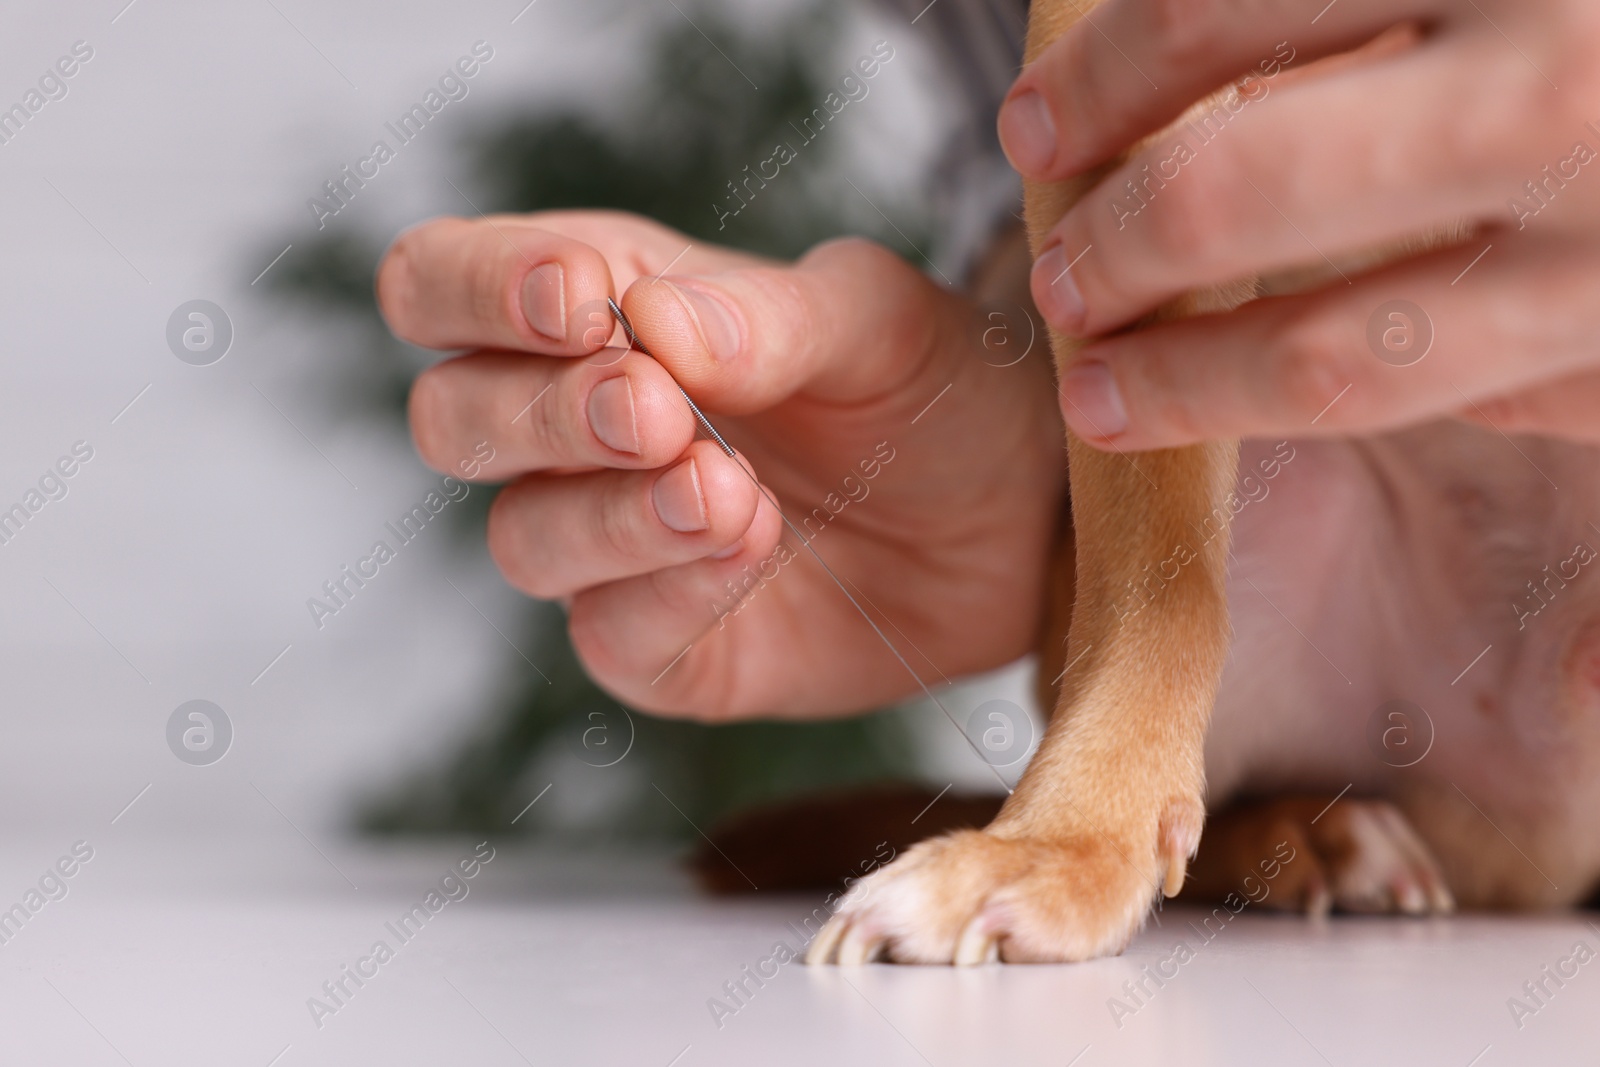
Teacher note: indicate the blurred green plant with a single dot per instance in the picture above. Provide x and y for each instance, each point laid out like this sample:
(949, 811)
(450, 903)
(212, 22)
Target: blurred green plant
(689, 124)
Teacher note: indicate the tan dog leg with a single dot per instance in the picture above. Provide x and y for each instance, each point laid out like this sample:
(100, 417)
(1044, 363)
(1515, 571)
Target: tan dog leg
(1110, 810)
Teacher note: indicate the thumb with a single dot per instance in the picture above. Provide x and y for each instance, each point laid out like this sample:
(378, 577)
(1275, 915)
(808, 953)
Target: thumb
(849, 322)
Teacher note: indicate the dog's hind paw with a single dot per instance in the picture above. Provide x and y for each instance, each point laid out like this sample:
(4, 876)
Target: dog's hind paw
(1352, 855)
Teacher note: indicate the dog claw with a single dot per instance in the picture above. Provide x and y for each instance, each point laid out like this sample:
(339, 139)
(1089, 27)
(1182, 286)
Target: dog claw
(1409, 898)
(1177, 868)
(821, 950)
(978, 945)
(860, 946)
(1179, 836)
(1319, 900)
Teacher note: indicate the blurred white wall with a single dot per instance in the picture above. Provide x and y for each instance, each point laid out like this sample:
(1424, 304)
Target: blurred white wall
(178, 564)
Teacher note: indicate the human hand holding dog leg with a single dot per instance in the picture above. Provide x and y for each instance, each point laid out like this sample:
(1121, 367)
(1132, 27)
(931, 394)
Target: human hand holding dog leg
(1484, 123)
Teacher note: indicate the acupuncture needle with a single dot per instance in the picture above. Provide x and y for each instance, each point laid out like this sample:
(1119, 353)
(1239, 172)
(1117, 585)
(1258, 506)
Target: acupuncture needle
(705, 423)
(711, 431)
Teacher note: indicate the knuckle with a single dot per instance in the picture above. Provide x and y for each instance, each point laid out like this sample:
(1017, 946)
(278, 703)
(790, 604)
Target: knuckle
(699, 695)
(860, 257)
(1165, 379)
(679, 598)
(1504, 413)
(1183, 30)
(1192, 214)
(396, 287)
(486, 284)
(512, 552)
(425, 409)
(590, 628)
(1506, 134)
(1574, 64)
(1521, 121)
(1313, 364)
(781, 291)
(899, 292)
(691, 691)
(702, 686)
(788, 308)
(542, 427)
(850, 251)
(613, 529)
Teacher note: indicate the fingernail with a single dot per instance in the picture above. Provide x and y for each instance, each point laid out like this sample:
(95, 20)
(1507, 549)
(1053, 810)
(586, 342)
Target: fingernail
(718, 329)
(1091, 402)
(1054, 291)
(544, 300)
(1028, 133)
(731, 551)
(678, 500)
(611, 415)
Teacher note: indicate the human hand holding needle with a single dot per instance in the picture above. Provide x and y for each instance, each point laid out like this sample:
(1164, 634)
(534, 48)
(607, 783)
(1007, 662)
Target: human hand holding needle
(809, 370)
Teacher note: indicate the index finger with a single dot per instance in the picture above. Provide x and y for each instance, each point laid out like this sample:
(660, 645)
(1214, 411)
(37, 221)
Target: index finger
(531, 283)
(1129, 67)
(487, 283)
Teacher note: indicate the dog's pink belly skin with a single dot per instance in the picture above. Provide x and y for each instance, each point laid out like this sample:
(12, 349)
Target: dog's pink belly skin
(1379, 570)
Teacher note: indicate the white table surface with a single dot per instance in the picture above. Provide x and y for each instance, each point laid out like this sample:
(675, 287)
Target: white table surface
(205, 952)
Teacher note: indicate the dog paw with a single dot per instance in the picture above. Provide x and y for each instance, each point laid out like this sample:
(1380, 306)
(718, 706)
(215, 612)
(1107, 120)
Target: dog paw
(975, 897)
(1360, 856)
